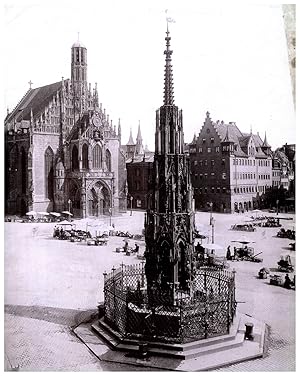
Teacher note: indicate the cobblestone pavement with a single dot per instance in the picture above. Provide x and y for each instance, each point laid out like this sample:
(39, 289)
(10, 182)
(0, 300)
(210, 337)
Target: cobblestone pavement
(51, 285)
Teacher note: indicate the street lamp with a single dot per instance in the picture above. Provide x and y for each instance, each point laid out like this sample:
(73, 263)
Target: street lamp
(213, 221)
(131, 198)
(69, 203)
(211, 217)
(110, 213)
(277, 203)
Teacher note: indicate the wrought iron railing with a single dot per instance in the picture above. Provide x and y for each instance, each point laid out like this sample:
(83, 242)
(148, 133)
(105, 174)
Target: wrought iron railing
(205, 311)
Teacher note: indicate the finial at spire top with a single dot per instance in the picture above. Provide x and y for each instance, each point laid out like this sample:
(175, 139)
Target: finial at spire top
(168, 86)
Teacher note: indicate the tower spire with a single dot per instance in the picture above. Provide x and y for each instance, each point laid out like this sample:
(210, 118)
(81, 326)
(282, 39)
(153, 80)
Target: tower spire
(168, 86)
(130, 141)
(139, 134)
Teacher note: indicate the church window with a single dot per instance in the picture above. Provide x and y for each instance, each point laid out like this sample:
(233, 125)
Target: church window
(97, 157)
(49, 155)
(209, 150)
(205, 162)
(75, 162)
(203, 140)
(23, 170)
(205, 176)
(217, 149)
(195, 163)
(108, 160)
(212, 140)
(200, 150)
(212, 162)
(85, 156)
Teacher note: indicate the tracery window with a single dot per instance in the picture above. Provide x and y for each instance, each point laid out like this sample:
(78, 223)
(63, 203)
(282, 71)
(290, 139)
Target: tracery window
(49, 155)
(97, 157)
(85, 156)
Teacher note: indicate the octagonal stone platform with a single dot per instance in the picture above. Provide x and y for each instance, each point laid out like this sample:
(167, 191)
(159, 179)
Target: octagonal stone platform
(203, 355)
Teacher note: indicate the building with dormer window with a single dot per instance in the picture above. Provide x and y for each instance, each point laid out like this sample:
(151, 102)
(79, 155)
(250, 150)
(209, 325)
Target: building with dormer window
(230, 169)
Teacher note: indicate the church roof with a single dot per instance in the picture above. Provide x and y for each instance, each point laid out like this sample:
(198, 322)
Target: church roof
(35, 100)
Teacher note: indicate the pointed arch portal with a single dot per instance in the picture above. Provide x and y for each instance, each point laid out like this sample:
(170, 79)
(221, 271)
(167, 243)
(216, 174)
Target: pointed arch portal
(99, 200)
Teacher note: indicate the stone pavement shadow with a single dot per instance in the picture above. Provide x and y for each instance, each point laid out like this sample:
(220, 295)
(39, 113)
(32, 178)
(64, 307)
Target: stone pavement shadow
(149, 363)
(61, 316)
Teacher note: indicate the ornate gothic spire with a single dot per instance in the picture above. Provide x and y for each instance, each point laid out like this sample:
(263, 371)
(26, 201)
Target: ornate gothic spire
(119, 129)
(130, 141)
(139, 135)
(168, 88)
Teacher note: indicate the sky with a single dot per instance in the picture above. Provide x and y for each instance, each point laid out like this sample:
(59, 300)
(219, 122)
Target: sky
(228, 59)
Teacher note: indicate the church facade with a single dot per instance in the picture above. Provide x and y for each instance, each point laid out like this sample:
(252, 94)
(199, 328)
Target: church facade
(62, 152)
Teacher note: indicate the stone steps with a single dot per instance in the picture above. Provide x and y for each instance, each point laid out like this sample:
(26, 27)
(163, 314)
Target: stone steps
(179, 351)
(201, 355)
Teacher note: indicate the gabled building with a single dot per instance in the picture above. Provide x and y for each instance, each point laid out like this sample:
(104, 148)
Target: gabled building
(62, 151)
(283, 167)
(139, 165)
(230, 169)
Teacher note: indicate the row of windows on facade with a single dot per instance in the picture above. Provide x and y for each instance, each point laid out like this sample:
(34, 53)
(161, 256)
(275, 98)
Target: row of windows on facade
(236, 175)
(241, 162)
(250, 175)
(252, 189)
(209, 150)
(283, 183)
(280, 173)
(97, 161)
(248, 162)
(212, 175)
(205, 162)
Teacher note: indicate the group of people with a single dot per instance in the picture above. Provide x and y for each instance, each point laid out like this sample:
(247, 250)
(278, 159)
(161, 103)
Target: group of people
(128, 249)
(231, 257)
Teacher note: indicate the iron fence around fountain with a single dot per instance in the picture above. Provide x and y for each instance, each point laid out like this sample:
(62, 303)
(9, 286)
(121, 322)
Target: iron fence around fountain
(174, 316)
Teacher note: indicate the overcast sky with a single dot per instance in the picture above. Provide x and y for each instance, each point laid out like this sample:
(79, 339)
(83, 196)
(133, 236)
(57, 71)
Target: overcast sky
(229, 60)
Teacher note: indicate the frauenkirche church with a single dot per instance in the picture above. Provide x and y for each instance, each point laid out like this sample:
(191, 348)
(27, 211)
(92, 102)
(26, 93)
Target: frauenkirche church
(62, 150)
